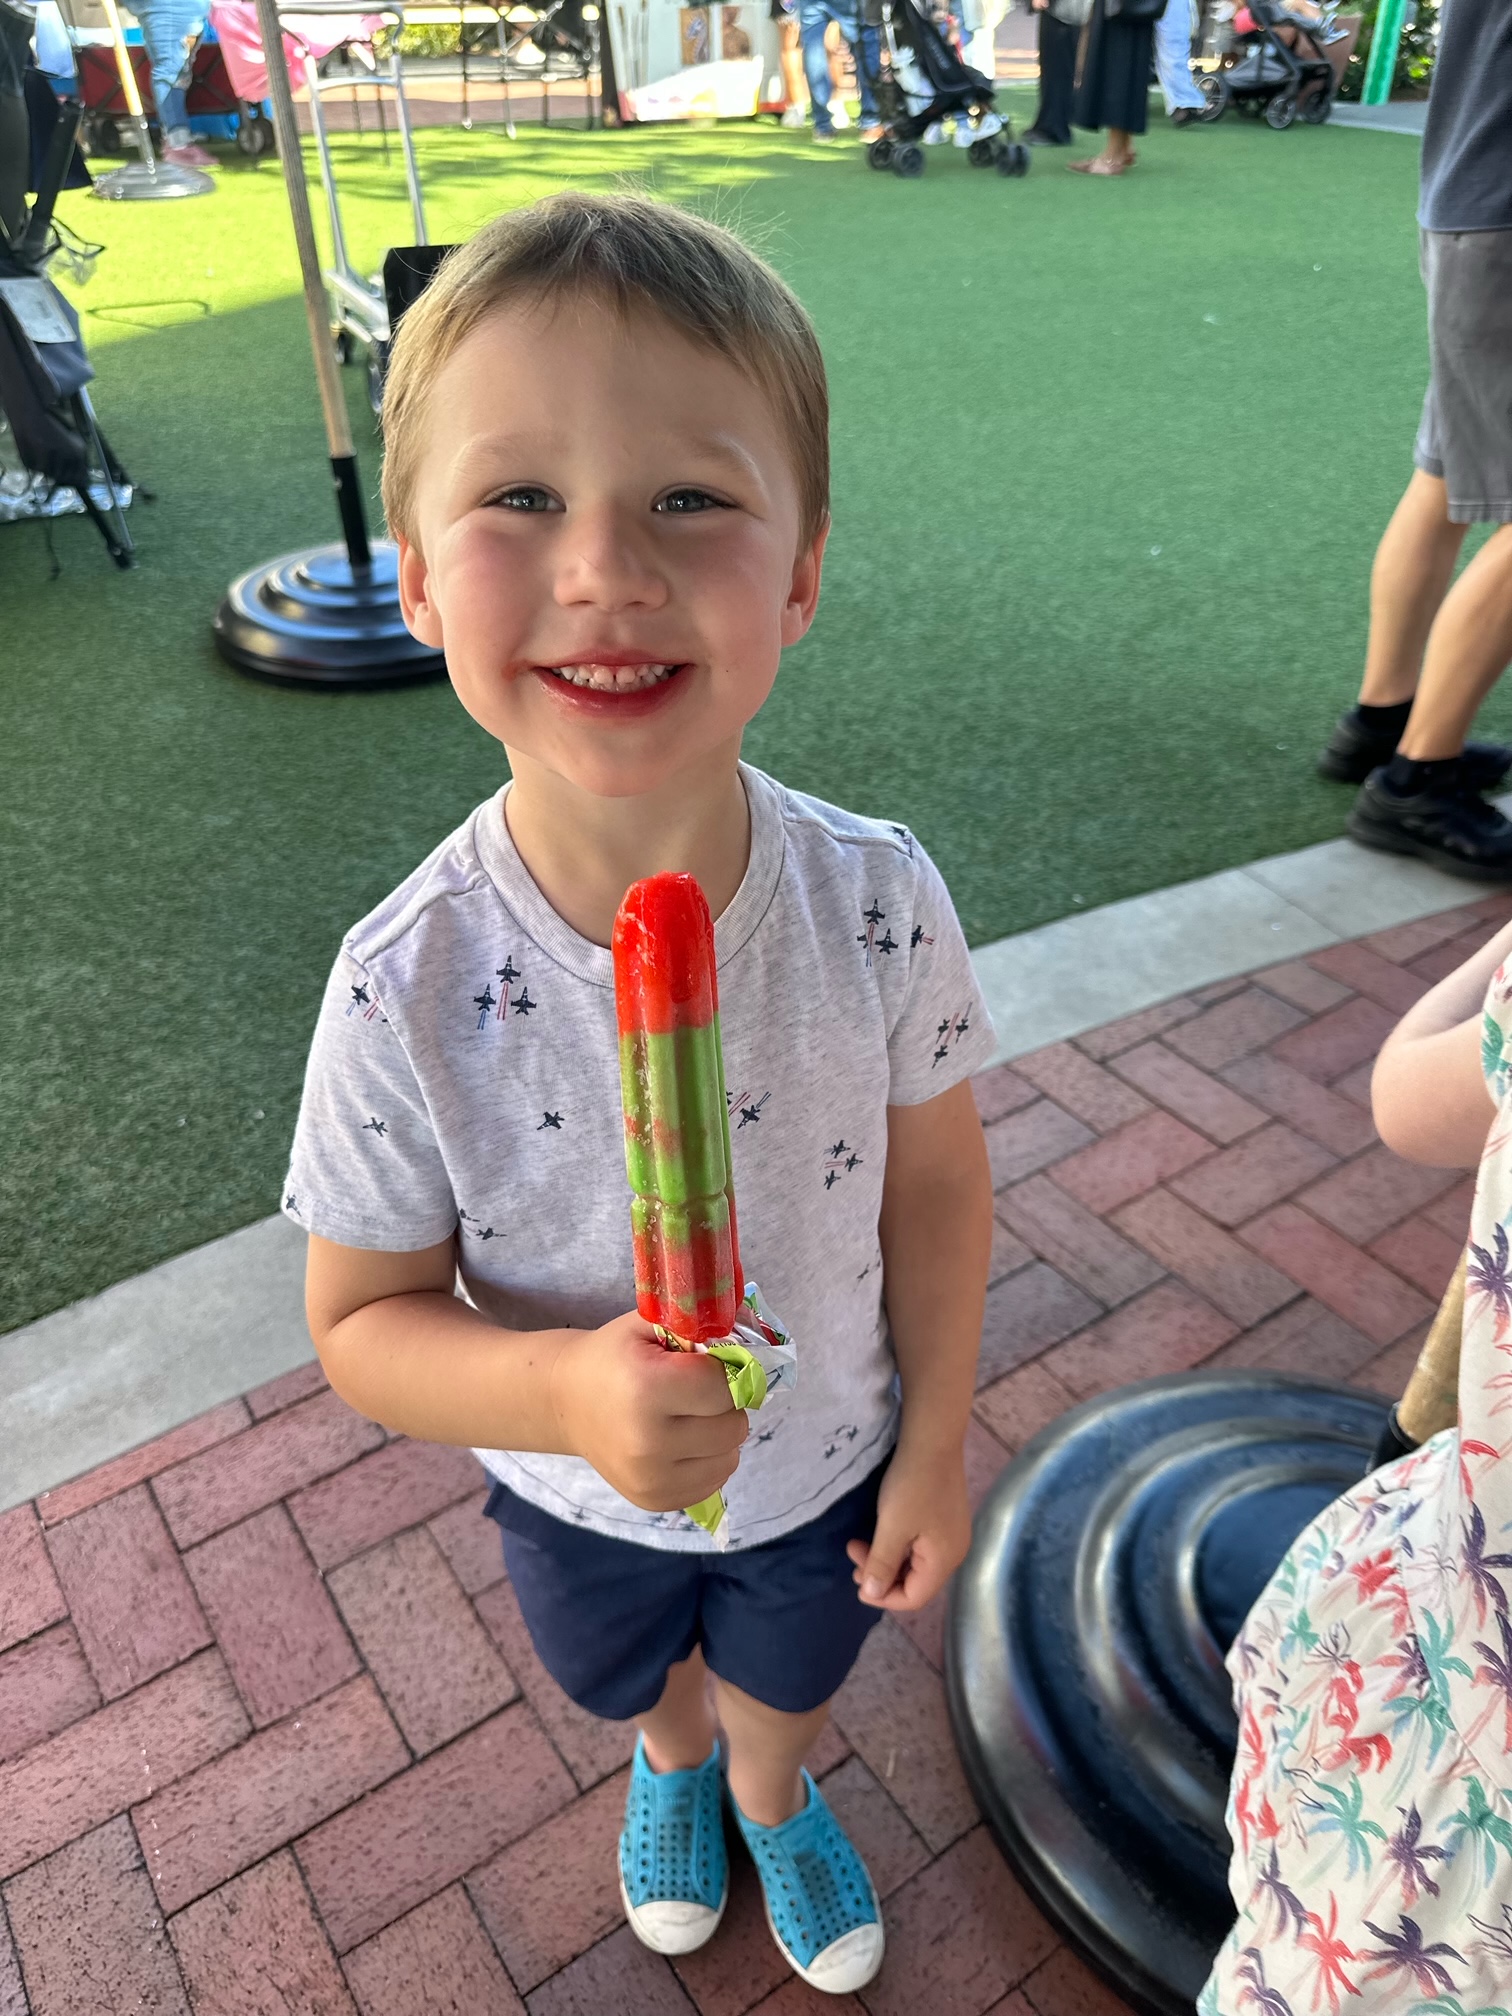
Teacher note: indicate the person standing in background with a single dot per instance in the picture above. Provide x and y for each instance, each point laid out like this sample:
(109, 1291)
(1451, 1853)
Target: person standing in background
(1060, 26)
(1113, 80)
(814, 17)
(1435, 650)
(1173, 62)
(172, 29)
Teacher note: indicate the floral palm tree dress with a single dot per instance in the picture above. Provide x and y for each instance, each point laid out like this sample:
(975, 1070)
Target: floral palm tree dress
(1371, 1804)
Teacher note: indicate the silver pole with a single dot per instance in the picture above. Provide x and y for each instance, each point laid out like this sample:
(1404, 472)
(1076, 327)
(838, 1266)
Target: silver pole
(327, 173)
(407, 139)
(317, 314)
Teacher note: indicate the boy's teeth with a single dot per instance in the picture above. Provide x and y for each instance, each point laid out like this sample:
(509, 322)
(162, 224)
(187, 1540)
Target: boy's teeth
(614, 678)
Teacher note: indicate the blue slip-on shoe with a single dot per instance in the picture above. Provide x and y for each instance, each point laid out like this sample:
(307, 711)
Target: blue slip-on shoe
(673, 1872)
(820, 1903)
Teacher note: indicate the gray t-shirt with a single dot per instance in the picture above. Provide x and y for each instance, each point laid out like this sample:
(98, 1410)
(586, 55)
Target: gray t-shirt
(1467, 147)
(465, 1072)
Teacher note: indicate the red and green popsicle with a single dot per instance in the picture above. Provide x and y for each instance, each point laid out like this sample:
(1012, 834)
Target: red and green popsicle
(677, 1129)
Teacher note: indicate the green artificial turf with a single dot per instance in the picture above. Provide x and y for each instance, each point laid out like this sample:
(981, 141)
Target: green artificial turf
(1110, 462)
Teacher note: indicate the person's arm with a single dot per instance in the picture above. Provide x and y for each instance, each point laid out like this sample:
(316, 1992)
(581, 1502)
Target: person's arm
(936, 1234)
(1428, 1092)
(399, 1346)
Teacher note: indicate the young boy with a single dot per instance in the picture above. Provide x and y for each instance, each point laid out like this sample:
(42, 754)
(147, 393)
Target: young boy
(607, 471)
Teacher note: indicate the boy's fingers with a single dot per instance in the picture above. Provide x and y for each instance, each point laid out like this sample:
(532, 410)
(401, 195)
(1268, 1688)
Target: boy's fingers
(694, 1383)
(694, 1438)
(879, 1571)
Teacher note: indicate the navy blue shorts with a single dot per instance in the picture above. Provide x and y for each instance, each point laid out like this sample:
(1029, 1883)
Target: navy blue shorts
(781, 1621)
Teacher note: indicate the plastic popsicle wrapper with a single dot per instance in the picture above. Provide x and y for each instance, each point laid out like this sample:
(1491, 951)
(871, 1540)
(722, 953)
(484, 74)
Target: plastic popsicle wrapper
(688, 1279)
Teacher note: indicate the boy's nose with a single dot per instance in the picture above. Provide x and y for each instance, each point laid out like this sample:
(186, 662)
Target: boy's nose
(604, 562)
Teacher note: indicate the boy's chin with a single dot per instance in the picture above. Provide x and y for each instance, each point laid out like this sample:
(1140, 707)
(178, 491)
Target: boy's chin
(643, 767)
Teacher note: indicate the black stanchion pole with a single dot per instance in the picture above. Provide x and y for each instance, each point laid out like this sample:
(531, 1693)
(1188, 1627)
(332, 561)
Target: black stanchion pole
(327, 617)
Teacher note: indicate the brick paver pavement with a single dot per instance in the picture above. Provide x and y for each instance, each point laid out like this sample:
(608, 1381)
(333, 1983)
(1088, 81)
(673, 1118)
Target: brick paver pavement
(273, 1741)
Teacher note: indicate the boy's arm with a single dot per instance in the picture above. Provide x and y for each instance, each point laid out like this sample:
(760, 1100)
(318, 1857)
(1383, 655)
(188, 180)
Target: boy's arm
(936, 1234)
(399, 1345)
(1428, 1092)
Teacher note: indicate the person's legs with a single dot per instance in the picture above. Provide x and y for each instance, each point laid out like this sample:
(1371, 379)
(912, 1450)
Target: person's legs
(766, 1752)
(813, 19)
(1057, 81)
(866, 48)
(1468, 649)
(1413, 567)
(679, 1730)
(793, 79)
(1173, 58)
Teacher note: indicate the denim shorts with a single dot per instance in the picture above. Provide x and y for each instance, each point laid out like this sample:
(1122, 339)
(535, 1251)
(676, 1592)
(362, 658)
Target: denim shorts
(781, 1621)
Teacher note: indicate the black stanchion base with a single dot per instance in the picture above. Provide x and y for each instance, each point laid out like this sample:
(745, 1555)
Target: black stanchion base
(1112, 1565)
(311, 619)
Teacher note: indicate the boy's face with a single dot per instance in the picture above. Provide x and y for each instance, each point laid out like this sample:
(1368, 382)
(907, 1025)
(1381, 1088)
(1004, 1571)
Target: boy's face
(607, 544)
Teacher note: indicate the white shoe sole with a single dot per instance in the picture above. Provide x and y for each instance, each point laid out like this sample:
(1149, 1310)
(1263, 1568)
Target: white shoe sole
(670, 1926)
(848, 1963)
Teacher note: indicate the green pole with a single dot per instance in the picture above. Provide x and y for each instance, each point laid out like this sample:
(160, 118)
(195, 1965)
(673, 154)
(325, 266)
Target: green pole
(1381, 67)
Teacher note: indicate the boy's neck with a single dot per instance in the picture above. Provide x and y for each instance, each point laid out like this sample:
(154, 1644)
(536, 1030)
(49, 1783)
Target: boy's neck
(583, 852)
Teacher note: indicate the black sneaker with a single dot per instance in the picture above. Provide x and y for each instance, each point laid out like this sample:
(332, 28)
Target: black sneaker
(1455, 829)
(1353, 751)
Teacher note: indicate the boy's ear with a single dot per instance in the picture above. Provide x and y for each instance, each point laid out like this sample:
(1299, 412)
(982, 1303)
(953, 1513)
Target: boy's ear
(421, 617)
(803, 596)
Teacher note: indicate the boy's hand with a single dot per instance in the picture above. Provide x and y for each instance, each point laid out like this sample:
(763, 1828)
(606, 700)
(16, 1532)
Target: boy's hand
(658, 1425)
(923, 1531)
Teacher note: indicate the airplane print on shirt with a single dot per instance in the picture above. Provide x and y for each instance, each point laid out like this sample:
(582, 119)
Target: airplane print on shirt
(366, 1001)
(745, 1108)
(502, 1006)
(949, 1033)
(868, 939)
(841, 1160)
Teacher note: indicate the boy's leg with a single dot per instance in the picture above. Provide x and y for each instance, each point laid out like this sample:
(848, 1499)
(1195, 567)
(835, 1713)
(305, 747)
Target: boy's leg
(679, 1731)
(766, 1752)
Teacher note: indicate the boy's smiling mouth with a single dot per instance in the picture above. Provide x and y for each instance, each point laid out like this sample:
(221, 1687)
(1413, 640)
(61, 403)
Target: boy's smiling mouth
(598, 677)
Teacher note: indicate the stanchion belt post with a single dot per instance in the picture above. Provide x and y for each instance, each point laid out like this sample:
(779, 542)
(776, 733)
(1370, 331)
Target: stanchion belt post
(327, 371)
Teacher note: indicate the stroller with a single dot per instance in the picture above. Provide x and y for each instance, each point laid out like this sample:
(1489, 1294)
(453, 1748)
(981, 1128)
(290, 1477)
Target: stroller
(920, 80)
(1265, 78)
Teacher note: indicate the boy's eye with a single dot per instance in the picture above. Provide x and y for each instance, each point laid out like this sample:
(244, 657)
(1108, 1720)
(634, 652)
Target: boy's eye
(688, 501)
(526, 497)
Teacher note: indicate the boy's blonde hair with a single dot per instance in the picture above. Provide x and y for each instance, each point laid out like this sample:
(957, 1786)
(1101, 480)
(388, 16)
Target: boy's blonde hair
(636, 257)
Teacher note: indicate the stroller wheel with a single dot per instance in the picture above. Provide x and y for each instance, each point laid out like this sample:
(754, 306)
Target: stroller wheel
(1215, 92)
(908, 161)
(254, 134)
(1013, 159)
(982, 153)
(880, 153)
(341, 343)
(1318, 108)
(1281, 112)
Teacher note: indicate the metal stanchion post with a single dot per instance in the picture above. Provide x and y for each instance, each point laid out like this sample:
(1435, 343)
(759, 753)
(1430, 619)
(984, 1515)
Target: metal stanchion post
(328, 616)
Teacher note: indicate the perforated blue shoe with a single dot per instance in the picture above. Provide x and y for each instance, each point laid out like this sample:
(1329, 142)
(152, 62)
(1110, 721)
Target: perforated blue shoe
(820, 1902)
(673, 1871)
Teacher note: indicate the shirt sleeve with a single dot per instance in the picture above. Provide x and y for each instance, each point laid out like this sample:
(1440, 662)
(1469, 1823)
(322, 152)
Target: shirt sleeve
(365, 1169)
(1496, 1034)
(943, 1033)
